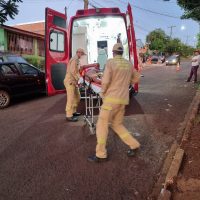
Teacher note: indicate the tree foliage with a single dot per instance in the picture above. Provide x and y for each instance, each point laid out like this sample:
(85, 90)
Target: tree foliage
(192, 9)
(8, 9)
(198, 41)
(159, 41)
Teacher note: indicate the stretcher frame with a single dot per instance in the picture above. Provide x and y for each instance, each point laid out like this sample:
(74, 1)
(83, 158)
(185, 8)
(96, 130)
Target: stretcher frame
(92, 103)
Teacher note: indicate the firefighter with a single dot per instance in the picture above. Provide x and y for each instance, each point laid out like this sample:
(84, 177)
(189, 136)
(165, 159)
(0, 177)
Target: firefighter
(117, 77)
(71, 85)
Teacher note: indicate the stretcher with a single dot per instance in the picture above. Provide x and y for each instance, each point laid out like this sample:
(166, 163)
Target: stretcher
(90, 85)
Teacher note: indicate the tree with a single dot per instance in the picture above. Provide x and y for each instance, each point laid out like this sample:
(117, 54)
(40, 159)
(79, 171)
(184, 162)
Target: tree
(157, 39)
(192, 9)
(174, 45)
(198, 41)
(160, 42)
(8, 9)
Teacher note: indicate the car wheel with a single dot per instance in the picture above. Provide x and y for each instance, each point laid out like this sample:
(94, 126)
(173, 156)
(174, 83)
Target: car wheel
(4, 99)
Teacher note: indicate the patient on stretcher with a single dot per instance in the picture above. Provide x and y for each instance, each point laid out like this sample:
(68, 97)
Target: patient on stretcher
(91, 73)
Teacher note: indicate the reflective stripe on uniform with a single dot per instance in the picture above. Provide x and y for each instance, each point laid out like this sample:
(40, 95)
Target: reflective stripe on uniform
(106, 107)
(121, 63)
(124, 135)
(115, 100)
(101, 141)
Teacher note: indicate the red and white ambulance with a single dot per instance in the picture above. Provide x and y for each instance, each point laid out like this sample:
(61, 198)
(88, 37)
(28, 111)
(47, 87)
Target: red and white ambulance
(92, 30)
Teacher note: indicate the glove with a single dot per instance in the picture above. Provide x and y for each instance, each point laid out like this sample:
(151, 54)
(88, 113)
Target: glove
(101, 95)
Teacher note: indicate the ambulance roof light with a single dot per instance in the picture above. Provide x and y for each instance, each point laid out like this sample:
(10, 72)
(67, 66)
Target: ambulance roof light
(98, 10)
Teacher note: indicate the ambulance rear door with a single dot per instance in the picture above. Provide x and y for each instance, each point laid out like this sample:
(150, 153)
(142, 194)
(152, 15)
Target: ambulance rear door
(132, 40)
(56, 51)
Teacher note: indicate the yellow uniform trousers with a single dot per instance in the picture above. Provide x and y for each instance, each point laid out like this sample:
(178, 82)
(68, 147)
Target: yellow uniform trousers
(114, 114)
(73, 99)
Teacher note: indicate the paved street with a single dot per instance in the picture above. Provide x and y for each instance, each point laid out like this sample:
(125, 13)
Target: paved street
(43, 157)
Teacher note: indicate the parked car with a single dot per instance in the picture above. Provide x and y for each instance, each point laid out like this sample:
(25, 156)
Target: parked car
(154, 59)
(18, 79)
(9, 57)
(172, 60)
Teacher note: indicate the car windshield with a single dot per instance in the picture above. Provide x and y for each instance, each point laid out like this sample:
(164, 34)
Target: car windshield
(97, 35)
(18, 59)
(172, 57)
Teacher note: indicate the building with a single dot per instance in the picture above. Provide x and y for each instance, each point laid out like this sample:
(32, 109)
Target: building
(20, 41)
(35, 27)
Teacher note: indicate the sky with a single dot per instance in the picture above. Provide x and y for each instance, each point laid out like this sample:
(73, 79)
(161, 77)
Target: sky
(145, 21)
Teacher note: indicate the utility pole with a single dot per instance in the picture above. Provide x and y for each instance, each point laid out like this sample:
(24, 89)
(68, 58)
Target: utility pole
(86, 4)
(171, 29)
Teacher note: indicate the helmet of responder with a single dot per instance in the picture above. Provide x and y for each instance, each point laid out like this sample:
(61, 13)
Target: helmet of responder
(118, 47)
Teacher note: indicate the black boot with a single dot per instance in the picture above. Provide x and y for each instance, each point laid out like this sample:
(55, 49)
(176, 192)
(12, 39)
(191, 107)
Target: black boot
(132, 152)
(96, 159)
(76, 114)
(72, 119)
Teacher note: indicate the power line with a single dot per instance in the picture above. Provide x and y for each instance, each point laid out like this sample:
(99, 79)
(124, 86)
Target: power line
(157, 13)
(97, 3)
(69, 4)
(140, 27)
(151, 11)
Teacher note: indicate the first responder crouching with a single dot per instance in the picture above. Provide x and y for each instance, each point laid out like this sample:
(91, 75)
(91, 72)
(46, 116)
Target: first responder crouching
(117, 77)
(71, 85)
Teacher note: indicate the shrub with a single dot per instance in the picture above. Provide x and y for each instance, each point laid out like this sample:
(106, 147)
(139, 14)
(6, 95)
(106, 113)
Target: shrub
(36, 61)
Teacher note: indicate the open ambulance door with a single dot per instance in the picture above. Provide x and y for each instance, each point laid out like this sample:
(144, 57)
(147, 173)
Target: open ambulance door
(132, 40)
(56, 51)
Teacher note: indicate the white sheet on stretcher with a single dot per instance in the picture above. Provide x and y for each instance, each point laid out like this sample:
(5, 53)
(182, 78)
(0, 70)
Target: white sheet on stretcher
(96, 88)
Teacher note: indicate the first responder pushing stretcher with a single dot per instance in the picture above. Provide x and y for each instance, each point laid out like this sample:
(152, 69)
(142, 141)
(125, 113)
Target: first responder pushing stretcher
(117, 77)
(71, 85)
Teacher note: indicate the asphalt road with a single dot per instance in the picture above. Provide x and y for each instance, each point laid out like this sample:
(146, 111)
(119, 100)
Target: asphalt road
(43, 157)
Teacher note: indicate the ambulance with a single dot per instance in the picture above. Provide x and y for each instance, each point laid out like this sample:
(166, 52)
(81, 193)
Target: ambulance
(93, 30)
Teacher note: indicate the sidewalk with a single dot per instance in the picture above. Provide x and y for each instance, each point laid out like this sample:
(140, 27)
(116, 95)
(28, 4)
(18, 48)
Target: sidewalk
(182, 180)
(188, 181)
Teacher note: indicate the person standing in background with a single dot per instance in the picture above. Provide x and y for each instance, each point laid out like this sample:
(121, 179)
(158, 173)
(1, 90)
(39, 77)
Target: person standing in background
(195, 66)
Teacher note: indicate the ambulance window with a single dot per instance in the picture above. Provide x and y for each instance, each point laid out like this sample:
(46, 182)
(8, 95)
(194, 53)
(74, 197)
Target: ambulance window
(60, 42)
(56, 41)
(58, 21)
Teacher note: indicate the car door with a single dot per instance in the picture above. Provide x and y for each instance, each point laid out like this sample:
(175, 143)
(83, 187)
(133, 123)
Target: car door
(132, 40)
(11, 79)
(30, 77)
(56, 51)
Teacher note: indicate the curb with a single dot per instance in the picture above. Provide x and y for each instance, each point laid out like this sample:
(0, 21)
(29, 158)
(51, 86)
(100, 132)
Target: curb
(174, 158)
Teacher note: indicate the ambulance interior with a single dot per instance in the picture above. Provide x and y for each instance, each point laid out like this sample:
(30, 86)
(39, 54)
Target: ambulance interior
(97, 35)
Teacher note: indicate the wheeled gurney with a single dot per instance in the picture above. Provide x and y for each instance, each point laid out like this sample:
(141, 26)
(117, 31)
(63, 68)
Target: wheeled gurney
(90, 83)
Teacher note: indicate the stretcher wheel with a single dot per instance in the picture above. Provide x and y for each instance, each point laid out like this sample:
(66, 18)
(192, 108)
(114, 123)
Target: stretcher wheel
(92, 130)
